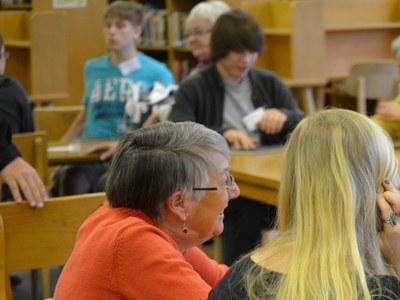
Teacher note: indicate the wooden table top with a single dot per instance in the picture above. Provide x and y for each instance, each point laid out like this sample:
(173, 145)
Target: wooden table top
(257, 174)
(74, 153)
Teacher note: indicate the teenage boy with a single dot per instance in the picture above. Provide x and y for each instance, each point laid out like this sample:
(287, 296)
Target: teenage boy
(110, 82)
(225, 92)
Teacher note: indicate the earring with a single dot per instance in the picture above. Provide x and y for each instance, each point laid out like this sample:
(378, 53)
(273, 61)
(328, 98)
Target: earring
(185, 228)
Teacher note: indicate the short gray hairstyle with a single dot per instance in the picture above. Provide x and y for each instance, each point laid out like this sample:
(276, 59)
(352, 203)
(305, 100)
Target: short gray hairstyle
(209, 10)
(152, 163)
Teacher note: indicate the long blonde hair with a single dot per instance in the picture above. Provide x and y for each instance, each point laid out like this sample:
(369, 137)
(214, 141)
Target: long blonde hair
(334, 162)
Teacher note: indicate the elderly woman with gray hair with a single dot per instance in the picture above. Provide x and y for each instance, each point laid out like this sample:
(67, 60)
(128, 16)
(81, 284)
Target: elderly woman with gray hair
(168, 186)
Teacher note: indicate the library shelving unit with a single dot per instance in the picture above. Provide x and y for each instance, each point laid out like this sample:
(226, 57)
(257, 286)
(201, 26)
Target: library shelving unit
(36, 41)
(168, 16)
(358, 30)
(294, 37)
(49, 47)
(322, 39)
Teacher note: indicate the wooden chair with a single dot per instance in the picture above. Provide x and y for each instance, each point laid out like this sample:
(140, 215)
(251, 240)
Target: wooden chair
(33, 148)
(370, 80)
(55, 120)
(40, 238)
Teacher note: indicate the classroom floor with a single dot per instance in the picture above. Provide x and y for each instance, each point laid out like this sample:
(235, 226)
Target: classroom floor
(23, 291)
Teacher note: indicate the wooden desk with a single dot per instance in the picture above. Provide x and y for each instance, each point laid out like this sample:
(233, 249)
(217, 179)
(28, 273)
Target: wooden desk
(75, 155)
(258, 175)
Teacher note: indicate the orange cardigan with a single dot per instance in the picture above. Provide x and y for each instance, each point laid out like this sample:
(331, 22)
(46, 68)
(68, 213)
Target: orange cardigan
(120, 254)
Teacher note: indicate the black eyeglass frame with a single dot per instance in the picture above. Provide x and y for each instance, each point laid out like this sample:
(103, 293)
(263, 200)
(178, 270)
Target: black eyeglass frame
(230, 186)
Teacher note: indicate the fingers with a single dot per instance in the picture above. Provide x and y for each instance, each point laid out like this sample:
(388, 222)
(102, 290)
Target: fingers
(272, 121)
(105, 149)
(240, 140)
(20, 176)
(12, 184)
(384, 207)
(97, 148)
(391, 196)
(152, 119)
(107, 154)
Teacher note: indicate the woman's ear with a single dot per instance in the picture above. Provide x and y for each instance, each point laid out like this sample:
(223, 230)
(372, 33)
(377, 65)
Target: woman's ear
(175, 205)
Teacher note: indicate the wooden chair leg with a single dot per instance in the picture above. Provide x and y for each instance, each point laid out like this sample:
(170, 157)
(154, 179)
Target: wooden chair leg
(34, 283)
(9, 293)
(361, 96)
(217, 249)
(46, 283)
(320, 98)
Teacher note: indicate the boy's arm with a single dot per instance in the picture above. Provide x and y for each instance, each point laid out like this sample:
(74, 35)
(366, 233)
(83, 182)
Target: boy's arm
(76, 127)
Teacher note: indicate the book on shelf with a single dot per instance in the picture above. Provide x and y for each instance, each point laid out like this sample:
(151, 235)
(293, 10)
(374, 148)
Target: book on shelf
(14, 2)
(178, 32)
(155, 27)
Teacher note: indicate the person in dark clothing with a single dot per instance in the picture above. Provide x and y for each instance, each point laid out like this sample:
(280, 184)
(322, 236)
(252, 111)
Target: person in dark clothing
(14, 106)
(16, 117)
(17, 173)
(220, 96)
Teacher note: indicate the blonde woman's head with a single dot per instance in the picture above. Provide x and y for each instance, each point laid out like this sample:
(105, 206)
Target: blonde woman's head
(335, 162)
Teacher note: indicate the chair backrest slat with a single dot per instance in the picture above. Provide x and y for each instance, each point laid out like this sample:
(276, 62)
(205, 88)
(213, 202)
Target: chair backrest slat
(39, 238)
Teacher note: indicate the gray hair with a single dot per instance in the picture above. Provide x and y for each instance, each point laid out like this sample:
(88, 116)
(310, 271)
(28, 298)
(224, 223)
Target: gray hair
(209, 10)
(152, 163)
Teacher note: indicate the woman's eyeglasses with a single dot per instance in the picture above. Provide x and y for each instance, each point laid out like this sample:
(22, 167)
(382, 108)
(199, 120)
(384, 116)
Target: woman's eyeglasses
(197, 32)
(229, 184)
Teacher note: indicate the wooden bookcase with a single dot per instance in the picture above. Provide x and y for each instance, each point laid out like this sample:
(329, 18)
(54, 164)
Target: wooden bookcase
(358, 30)
(173, 55)
(294, 37)
(322, 39)
(50, 46)
(36, 41)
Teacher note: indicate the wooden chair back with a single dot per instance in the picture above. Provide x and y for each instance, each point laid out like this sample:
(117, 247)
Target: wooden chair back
(55, 120)
(372, 80)
(40, 238)
(33, 148)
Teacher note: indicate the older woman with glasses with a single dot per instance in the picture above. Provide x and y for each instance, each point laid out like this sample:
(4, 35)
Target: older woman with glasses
(168, 186)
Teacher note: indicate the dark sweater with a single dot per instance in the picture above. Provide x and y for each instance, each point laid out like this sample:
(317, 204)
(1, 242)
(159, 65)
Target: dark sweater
(200, 98)
(231, 286)
(14, 106)
(8, 152)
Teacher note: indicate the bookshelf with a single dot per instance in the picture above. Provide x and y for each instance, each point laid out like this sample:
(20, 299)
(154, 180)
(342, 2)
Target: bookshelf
(53, 62)
(322, 39)
(165, 24)
(37, 55)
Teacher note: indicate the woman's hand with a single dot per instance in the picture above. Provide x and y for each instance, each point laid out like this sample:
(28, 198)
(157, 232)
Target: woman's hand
(388, 110)
(389, 205)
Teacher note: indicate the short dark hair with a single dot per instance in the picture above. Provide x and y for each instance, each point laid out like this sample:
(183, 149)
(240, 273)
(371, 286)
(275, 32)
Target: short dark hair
(1, 41)
(152, 163)
(235, 31)
(126, 10)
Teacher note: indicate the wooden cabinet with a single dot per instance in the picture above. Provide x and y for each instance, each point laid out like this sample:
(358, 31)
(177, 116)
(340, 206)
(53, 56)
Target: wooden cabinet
(323, 38)
(36, 41)
(358, 30)
(294, 37)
